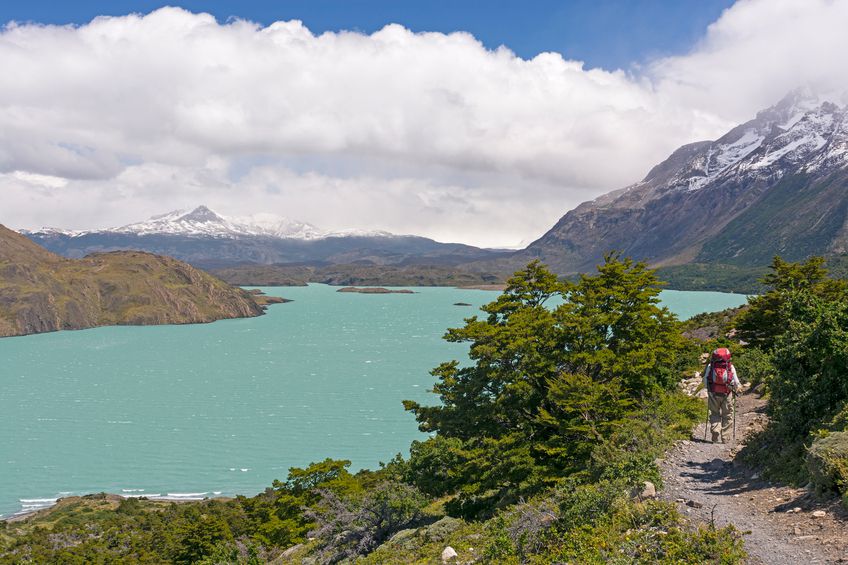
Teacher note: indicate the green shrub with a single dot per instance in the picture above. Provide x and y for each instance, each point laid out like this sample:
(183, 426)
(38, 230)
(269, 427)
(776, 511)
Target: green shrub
(827, 462)
(629, 454)
(350, 527)
(632, 532)
(753, 365)
(839, 423)
(586, 504)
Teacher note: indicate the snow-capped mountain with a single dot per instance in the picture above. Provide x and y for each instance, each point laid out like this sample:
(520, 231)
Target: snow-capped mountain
(206, 238)
(276, 226)
(200, 221)
(787, 134)
(777, 184)
(204, 222)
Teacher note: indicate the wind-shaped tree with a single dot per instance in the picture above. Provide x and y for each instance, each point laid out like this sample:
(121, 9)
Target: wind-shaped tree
(556, 368)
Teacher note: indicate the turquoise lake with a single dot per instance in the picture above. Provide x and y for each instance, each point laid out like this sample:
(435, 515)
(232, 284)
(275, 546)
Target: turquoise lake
(225, 408)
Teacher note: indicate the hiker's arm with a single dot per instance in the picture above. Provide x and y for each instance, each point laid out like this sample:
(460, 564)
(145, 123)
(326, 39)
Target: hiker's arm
(706, 374)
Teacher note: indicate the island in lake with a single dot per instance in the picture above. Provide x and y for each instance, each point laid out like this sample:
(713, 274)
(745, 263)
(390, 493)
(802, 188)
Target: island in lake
(374, 290)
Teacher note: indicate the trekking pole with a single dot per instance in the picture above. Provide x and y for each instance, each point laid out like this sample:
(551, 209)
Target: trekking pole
(734, 416)
(707, 421)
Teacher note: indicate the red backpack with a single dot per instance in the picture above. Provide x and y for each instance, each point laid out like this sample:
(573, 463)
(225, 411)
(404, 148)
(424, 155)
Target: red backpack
(720, 372)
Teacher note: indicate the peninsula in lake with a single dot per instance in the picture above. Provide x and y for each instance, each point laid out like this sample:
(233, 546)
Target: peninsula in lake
(41, 291)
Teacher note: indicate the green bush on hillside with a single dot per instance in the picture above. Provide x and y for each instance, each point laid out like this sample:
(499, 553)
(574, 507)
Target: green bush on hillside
(599, 523)
(802, 325)
(827, 462)
(548, 385)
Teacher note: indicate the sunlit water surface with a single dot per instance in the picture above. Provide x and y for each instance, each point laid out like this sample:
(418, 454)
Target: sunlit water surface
(226, 408)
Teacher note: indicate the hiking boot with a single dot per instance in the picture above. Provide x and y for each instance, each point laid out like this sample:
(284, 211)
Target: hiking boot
(717, 438)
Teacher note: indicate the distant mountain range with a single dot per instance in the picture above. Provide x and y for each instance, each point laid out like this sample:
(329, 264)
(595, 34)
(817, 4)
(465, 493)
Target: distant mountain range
(203, 222)
(777, 184)
(204, 238)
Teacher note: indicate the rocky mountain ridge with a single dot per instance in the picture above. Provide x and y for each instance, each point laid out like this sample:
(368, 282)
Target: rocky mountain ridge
(42, 292)
(773, 185)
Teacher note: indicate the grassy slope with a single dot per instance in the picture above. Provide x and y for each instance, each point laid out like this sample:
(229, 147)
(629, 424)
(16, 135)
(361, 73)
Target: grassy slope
(795, 218)
(40, 291)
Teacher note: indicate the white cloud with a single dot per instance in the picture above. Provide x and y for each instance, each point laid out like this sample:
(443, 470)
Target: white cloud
(426, 133)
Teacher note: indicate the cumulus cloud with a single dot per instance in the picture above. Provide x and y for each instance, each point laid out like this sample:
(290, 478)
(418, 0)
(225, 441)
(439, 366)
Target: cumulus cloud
(412, 132)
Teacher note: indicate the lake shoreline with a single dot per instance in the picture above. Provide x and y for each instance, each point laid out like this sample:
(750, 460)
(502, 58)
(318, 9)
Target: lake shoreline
(25, 515)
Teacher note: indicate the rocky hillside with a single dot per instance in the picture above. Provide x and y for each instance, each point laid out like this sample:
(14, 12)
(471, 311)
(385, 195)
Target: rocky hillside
(42, 292)
(773, 185)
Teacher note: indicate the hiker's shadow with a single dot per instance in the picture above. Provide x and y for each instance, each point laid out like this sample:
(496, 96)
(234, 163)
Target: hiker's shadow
(721, 477)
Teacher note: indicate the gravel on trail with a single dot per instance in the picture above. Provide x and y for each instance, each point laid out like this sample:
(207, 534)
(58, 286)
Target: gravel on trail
(781, 524)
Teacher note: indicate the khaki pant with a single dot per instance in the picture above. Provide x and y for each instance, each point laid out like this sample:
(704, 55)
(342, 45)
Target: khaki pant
(721, 417)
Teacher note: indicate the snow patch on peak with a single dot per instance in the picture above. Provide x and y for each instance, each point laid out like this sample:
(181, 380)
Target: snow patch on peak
(199, 221)
(353, 232)
(272, 225)
(790, 133)
(203, 221)
(807, 135)
(202, 214)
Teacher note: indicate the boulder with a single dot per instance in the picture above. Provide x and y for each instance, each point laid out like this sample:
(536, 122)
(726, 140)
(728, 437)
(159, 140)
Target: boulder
(448, 553)
(439, 531)
(646, 491)
(292, 550)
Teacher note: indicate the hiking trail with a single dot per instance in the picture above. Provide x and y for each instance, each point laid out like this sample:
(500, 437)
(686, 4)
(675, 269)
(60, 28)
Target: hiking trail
(781, 524)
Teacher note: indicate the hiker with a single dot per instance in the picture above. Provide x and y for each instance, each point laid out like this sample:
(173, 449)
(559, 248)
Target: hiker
(721, 382)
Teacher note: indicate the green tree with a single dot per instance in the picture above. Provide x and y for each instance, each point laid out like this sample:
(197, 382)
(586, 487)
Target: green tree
(199, 537)
(548, 383)
(614, 329)
(329, 473)
(764, 321)
(810, 385)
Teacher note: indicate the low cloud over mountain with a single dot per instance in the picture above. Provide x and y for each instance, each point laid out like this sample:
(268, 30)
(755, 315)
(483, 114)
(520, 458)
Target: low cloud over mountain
(408, 132)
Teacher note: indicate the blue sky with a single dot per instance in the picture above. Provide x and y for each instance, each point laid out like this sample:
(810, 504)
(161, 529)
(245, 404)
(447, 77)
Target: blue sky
(609, 34)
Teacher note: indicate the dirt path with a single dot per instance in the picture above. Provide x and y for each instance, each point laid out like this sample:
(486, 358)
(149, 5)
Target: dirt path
(782, 525)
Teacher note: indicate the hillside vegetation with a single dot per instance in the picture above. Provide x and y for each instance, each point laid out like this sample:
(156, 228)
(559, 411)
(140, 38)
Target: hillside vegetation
(353, 275)
(41, 291)
(796, 353)
(801, 327)
(542, 450)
